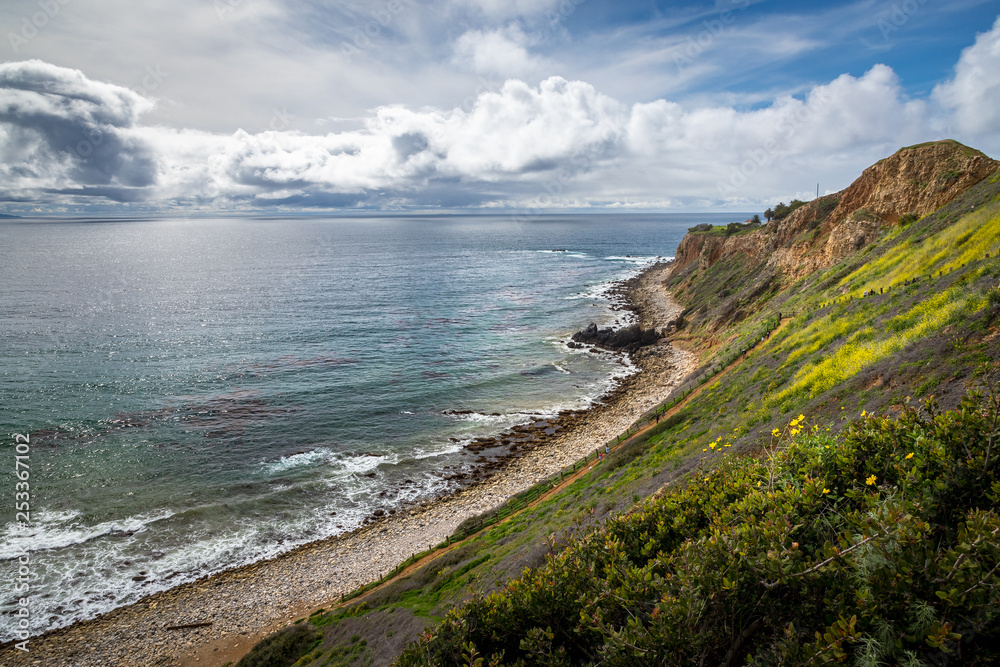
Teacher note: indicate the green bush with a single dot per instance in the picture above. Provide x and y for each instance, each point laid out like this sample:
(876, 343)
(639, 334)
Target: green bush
(782, 211)
(284, 648)
(878, 546)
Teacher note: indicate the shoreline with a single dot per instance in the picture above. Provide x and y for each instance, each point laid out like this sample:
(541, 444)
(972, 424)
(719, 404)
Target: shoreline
(247, 603)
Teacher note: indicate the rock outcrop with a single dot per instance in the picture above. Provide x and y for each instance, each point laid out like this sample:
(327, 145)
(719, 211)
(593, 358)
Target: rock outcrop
(916, 180)
(628, 339)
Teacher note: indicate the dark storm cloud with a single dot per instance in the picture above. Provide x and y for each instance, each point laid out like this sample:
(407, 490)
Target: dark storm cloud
(60, 127)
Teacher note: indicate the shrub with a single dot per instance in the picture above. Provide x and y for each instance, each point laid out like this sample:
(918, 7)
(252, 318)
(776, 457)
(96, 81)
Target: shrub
(284, 648)
(877, 546)
(781, 211)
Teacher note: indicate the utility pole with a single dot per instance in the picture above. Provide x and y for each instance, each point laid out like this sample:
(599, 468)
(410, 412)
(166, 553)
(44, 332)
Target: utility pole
(817, 191)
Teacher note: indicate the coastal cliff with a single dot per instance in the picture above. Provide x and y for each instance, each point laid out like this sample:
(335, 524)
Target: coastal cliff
(913, 182)
(724, 275)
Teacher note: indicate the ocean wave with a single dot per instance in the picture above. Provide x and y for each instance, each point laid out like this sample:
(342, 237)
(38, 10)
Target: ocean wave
(639, 260)
(593, 292)
(44, 536)
(422, 453)
(576, 254)
(363, 464)
(514, 418)
(296, 460)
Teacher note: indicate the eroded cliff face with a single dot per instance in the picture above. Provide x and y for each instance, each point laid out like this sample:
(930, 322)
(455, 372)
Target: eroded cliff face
(915, 180)
(918, 180)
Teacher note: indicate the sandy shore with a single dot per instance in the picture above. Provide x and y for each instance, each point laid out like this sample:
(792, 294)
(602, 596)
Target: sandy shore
(245, 604)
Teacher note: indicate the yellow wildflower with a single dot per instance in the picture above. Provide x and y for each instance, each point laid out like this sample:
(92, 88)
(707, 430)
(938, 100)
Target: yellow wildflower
(870, 481)
(826, 490)
(863, 413)
(802, 418)
(909, 456)
(775, 432)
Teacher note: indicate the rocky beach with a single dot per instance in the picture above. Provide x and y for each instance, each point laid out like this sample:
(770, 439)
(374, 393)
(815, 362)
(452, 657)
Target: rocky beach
(217, 619)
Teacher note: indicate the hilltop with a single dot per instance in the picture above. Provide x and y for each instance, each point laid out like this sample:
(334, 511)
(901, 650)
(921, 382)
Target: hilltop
(909, 185)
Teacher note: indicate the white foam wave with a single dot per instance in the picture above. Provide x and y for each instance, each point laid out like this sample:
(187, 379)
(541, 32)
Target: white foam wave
(505, 419)
(450, 448)
(646, 260)
(44, 536)
(363, 464)
(55, 516)
(593, 292)
(297, 460)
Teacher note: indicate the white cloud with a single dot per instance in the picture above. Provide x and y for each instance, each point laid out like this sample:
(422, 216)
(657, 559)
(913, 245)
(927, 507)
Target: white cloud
(771, 149)
(502, 52)
(973, 94)
(508, 9)
(560, 143)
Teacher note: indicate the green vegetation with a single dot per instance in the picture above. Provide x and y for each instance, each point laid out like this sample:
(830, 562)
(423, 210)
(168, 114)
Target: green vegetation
(871, 335)
(878, 545)
(971, 238)
(744, 544)
(782, 211)
(727, 230)
(283, 648)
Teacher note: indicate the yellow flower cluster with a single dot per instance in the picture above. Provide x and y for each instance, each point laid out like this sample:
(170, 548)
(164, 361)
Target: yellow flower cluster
(870, 481)
(793, 426)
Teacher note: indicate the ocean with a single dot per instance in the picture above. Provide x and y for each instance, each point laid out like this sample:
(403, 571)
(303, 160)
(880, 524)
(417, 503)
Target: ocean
(205, 393)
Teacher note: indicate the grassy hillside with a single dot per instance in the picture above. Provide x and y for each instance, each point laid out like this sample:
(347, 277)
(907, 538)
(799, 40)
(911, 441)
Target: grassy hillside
(878, 545)
(762, 532)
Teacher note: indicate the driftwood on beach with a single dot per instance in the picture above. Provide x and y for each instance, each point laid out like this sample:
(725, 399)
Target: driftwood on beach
(188, 626)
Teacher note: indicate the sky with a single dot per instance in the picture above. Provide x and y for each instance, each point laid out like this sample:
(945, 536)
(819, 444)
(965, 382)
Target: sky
(117, 107)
